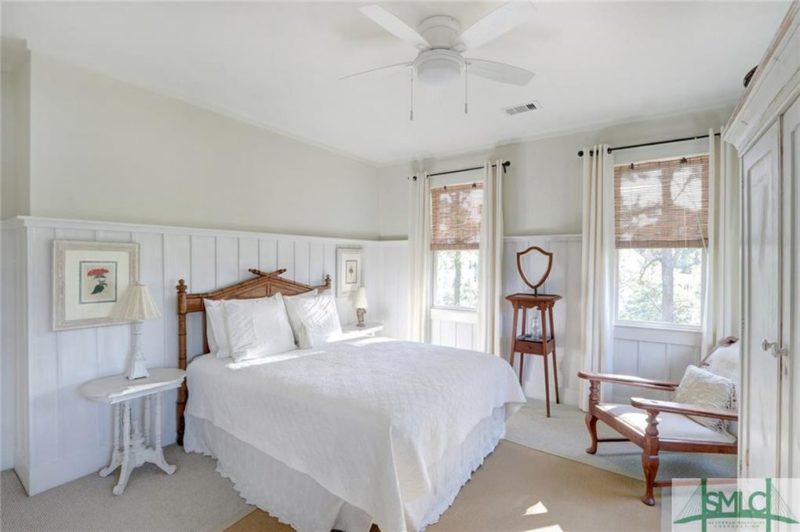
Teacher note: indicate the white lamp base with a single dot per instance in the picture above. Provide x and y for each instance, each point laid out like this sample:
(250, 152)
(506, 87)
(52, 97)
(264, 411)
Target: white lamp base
(136, 363)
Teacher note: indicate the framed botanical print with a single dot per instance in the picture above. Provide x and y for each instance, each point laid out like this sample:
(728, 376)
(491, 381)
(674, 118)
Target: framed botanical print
(88, 280)
(349, 270)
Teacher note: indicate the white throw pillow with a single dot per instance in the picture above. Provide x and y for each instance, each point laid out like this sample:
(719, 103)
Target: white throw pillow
(258, 327)
(320, 320)
(703, 388)
(215, 328)
(294, 317)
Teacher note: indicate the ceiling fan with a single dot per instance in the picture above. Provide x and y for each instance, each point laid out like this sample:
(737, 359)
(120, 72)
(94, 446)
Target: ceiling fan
(442, 44)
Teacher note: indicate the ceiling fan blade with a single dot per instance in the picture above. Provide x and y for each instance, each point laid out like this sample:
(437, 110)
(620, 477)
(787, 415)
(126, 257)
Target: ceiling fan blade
(394, 25)
(496, 23)
(371, 70)
(499, 72)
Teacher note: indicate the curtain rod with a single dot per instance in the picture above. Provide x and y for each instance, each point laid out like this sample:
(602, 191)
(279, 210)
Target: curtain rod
(698, 137)
(504, 164)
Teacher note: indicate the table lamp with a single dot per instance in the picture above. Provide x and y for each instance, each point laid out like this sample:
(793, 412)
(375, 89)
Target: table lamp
(136, 305)
(361, 306)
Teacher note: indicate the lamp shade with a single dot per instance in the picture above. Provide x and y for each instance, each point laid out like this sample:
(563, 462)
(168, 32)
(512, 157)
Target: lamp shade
(136, 304)
(361, 298)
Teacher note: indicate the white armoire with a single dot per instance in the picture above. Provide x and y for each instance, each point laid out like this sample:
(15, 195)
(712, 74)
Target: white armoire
(765, 129)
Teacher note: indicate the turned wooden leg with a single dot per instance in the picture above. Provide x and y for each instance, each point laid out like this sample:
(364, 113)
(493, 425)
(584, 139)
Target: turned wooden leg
(158, 451)
(546, 387)
(555, 366)
(521, 366)
(591, 426)
(127, 466)
(650, 460)
(116, 452)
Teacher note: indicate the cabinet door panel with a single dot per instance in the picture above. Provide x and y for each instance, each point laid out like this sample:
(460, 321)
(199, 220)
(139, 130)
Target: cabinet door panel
(790, 424)
(761, 254)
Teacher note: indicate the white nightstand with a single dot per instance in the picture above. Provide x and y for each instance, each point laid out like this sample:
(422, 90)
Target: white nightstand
(136, 448)
(351, 331)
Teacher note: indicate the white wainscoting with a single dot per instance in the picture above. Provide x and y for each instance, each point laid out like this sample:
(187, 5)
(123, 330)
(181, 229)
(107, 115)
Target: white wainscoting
(457, 328)
(62, 436)
(661, 354)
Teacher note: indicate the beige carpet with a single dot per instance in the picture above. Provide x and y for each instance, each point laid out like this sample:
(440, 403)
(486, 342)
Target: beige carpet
(564, 434)
(520, 489)
(195, 498)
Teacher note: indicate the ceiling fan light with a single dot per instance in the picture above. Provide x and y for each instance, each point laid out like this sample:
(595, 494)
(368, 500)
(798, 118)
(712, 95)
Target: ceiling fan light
(439, 67)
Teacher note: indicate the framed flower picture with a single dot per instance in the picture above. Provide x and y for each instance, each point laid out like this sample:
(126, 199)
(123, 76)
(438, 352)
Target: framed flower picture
(88, 280)
(349, 270)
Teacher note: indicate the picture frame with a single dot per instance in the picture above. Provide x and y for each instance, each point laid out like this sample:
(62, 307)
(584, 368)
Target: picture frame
(349, 270)
(88, 280)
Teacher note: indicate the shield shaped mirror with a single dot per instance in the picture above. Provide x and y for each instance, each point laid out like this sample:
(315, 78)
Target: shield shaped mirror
(534, 265)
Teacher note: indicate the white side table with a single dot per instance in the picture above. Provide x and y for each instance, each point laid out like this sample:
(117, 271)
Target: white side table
(351, 331)
(136, 448)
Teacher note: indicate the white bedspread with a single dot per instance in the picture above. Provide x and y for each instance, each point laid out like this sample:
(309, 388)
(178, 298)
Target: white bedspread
(365, 419)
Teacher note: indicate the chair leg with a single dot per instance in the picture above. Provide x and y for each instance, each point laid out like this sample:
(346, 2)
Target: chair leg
(650, 460)
(591, 426)
(650, 466)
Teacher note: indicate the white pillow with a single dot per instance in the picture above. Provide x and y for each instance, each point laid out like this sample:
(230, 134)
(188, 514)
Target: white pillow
(703, 388)
(294, 318)
(258, 327)
(319, 318)
(215, 328)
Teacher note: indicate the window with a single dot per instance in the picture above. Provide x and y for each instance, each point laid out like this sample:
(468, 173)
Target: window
(455, 236)
(661, 230)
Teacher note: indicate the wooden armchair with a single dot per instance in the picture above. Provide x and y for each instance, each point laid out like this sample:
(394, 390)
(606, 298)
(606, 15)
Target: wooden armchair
(660, 425)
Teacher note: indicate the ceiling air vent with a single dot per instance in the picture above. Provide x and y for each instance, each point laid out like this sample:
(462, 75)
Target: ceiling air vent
(522, 108)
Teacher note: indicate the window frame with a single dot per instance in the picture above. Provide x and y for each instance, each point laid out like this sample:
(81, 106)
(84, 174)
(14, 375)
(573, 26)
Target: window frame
(442, 310)
(433, 305)
(648, 324)
(643, 325)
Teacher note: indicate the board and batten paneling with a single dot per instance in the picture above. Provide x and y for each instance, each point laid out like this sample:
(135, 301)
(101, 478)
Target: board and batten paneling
(647, 352)
(458, 328)
(63, 436)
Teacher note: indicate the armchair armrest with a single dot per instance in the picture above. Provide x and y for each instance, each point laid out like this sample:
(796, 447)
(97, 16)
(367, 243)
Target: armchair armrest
(682, 408)
(629, 380)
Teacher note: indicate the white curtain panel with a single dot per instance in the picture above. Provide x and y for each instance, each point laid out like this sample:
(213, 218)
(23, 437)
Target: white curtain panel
(491, 260)
(419, 250)
(597, 263)
(721, 298)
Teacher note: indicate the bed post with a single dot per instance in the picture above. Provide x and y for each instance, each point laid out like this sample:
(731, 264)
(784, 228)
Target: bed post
(183, 391)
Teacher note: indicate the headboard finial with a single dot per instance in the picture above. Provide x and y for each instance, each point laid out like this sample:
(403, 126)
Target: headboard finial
(181, 286)
(327, 283)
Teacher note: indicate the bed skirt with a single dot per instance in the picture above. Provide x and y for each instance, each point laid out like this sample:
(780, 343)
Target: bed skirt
(297, 499)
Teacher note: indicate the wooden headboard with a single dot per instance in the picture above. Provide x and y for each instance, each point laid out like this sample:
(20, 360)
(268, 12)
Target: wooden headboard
(262, 285)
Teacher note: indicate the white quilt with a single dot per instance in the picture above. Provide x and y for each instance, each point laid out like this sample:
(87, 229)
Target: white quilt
(365, 419)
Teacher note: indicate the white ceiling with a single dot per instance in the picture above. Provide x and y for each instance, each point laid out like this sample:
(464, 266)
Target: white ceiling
(278, 64)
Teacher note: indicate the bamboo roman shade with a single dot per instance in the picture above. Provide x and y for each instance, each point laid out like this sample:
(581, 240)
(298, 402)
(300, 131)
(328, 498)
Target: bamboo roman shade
(456, 216)
(662, 204)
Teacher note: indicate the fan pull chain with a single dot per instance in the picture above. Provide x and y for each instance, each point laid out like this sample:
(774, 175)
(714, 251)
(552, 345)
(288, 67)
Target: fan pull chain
(411, 111)
(466, 94)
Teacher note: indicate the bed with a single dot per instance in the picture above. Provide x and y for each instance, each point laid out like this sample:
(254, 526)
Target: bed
(347, 435)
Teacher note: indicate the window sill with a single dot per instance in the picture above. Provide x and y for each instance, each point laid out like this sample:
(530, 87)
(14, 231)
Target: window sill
(657, 325)
(658, 333)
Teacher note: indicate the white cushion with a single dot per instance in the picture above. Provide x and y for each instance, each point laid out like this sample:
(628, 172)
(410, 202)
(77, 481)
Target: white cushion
(258, 327)
(215, 328)
(724, 361)
(670, 426)
(294, 318)
(320, 320)
(703, 388)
